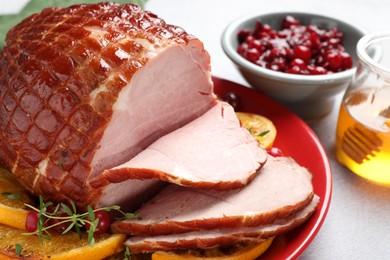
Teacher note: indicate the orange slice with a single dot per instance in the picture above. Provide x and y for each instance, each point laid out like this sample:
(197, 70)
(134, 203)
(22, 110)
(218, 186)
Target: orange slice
(261, 128)
(12, 201)
(238, 252)
(59, 247)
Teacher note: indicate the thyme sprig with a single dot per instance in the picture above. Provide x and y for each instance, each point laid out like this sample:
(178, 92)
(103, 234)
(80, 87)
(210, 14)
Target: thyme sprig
(73, 219)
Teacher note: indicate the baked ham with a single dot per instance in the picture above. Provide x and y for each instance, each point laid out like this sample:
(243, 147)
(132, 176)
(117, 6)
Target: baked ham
(221, 237)
(86, 88)
(282, 188)
(105, 104)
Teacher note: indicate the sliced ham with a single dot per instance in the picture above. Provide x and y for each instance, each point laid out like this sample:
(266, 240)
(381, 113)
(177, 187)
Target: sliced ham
(281, 188)
(212, 151)
(105, 104)
(86, 88)
(220, 237)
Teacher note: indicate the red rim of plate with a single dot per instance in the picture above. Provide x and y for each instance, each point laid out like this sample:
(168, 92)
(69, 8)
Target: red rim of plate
(296, 139)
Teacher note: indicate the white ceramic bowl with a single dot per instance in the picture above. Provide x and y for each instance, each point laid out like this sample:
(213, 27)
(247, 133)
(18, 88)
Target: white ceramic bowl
(308, 95)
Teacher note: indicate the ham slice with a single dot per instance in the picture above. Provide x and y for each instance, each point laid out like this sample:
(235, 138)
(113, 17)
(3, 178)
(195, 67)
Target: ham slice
(281, 188)
(212, 151)
(222, 236)
(86, 88)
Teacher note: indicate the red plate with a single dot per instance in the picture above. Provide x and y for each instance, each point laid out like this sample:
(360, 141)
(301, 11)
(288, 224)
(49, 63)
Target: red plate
(297, 140)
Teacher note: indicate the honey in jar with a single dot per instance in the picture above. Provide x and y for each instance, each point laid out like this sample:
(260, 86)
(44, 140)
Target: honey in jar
(363, 130)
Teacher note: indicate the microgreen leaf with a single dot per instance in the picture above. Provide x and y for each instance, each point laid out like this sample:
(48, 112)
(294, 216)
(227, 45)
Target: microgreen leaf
(91, 214)
(69, 228)
(78, 231)
(91, 239)
(127, 254)
(73, 206)
(263, 133)
(18, 249)
(67, 209)
(133, 215)
(11, 196)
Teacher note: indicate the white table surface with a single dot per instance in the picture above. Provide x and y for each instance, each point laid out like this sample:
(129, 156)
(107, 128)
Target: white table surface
(358, 222)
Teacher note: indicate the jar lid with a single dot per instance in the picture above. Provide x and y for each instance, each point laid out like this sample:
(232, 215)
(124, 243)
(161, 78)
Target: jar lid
(374, 51)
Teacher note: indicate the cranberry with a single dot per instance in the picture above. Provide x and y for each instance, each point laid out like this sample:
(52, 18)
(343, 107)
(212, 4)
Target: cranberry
(31, 223)
(103, 223)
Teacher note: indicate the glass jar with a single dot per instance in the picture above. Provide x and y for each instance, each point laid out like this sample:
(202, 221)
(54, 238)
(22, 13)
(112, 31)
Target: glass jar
(363, 129)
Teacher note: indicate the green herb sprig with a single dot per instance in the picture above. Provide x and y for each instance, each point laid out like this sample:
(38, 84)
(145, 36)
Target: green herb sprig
(74, 220)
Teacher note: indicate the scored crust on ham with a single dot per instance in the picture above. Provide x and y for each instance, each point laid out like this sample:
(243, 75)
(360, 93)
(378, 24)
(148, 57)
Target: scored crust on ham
(86, 88)
(220, 237)
(282, 188)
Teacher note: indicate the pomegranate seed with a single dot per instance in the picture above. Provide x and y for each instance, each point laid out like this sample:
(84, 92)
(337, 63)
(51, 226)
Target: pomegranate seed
(242, 35)
(299, 63)
(250, 39)
(258, 26)
(303, 53)
(294, 70)
(346, 60)
(252, 55)
(316, 70)
(241, 49)
(321, 49)
(333, 60)
(281, 63)
(275, 152)
(256, 44)
(289, 21)
(266, 28)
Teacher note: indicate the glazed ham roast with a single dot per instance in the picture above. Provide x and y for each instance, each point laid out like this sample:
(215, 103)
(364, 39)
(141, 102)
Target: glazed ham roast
(106, 104)
(86, 88)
